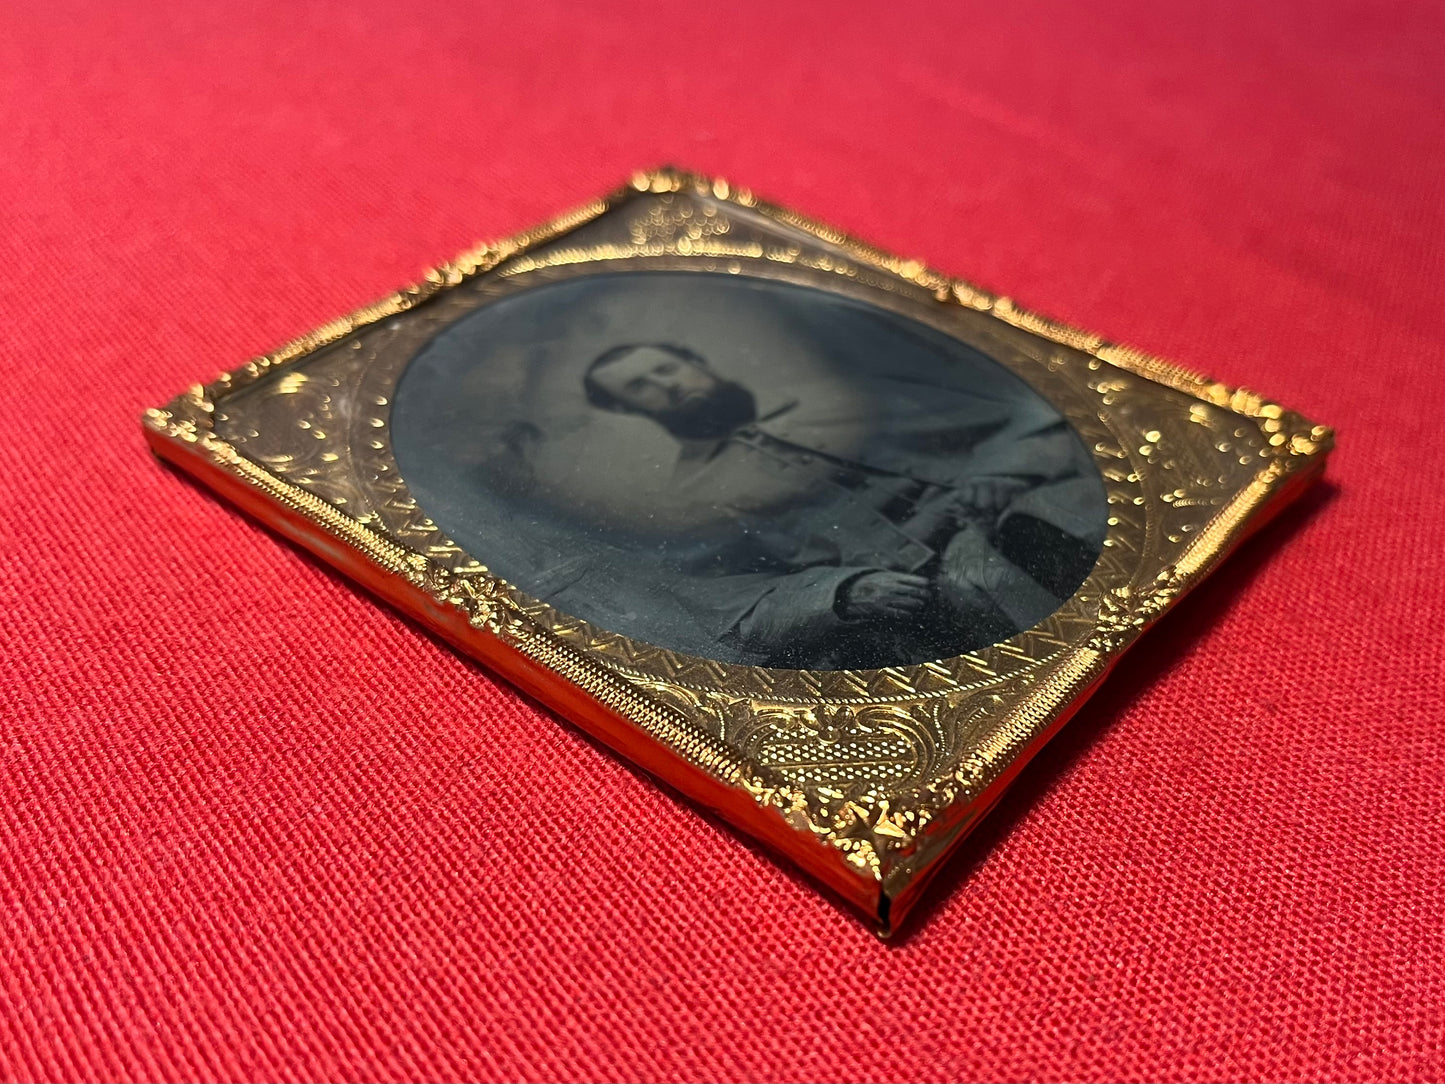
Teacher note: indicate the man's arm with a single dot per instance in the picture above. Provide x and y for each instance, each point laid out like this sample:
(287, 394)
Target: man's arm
(1048, 453)
(799, 612)
(974, 571)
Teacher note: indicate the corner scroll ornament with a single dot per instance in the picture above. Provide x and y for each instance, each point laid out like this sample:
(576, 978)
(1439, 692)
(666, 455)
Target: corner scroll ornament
(874, 821)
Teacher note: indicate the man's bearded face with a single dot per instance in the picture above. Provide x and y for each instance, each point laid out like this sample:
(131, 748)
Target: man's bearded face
(682, 395)
(656, 382)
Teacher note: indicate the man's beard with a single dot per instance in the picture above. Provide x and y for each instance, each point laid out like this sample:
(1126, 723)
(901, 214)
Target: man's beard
(728, 407)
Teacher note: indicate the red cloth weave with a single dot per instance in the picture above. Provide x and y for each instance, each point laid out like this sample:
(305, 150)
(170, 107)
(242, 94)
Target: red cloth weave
(253, 825)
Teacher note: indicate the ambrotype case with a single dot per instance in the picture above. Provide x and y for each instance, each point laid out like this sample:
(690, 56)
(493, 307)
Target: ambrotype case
(828, 540)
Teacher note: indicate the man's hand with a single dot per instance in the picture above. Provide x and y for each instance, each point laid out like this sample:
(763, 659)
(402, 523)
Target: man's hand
(990, 495)
(978, 498)
(889, 596)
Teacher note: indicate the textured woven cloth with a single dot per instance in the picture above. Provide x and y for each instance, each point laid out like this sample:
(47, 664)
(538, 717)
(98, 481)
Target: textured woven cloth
(254, 825)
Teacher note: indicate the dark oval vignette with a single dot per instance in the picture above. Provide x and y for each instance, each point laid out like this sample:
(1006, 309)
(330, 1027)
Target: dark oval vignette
(748, 470)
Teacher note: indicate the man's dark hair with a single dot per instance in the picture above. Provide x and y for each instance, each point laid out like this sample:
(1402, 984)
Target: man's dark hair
(600, 397)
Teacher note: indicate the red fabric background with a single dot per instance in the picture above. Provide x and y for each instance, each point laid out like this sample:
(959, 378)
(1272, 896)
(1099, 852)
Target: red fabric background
(256, 826)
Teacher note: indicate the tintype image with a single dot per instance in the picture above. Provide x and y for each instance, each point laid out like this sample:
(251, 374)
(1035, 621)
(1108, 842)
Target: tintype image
(748, 470)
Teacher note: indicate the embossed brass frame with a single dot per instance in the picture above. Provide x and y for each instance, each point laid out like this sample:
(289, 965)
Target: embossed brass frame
(866, 778)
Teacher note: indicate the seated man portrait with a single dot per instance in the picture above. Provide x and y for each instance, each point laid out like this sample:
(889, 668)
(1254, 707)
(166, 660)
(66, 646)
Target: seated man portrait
(892, 521)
